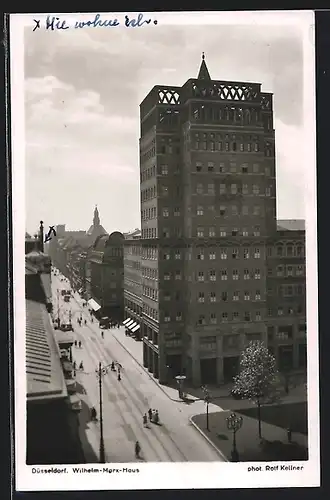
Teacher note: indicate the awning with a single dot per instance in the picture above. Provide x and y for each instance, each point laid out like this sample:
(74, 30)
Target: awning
(126, 321)
(75, 402)
(132, 325)
(94, 305)
(129, 323)
(135, 328)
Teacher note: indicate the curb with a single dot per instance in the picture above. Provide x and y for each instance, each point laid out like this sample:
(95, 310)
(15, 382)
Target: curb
(225, 459)
(147, 372)
(141, 366)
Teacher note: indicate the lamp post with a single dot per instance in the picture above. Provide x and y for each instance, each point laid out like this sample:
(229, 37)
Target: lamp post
(234, 424)
(207, 399)
(99, 373)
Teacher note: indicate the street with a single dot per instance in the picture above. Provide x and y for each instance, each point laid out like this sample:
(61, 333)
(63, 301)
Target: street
(126, 401)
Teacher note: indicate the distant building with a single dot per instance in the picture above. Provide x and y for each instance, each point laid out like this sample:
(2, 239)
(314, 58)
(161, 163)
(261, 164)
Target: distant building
(213, 275)
(133, 300)
(106, 278)
(70, 250)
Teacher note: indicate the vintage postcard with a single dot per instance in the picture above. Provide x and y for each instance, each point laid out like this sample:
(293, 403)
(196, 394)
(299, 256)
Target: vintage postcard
(164, 192)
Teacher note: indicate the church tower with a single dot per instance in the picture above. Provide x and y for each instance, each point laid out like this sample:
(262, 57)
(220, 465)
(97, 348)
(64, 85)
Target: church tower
(96, 228)
(96, 219)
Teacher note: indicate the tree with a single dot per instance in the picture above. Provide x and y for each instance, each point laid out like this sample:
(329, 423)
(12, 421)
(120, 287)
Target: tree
(258, 377)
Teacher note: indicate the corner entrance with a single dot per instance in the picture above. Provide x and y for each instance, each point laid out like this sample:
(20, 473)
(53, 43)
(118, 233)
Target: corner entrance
(208, 371)
(230, 368)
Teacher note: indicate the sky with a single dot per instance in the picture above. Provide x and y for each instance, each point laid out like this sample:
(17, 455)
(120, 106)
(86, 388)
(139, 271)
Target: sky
(82, 94)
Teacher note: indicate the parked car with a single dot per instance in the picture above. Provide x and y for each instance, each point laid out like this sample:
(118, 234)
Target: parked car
(66, 327)
(104, 322)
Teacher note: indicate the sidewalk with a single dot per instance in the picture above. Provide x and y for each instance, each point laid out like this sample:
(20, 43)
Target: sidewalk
(221, 395)
(275, 443)
(135, 349)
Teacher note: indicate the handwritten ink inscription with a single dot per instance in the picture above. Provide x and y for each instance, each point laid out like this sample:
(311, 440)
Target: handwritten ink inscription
(56, 23)
(106, 23)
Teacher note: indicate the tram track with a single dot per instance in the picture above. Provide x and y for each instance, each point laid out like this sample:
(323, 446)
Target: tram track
(136, 402)
(133, 405)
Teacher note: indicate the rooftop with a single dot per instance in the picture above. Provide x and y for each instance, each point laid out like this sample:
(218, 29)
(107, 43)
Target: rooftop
(291, 225)
(135, 234)
(44, 373)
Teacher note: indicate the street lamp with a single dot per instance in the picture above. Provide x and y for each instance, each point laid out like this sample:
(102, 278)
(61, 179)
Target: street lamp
(207, 399)
(99, 373)
(234, 424)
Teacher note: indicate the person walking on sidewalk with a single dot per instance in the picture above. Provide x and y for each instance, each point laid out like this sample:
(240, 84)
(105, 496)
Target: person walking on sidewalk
(102, 334)
(79, 343)
(150, 414)
(119, 376)
(145, 420)
(156, 417)
(137, 449)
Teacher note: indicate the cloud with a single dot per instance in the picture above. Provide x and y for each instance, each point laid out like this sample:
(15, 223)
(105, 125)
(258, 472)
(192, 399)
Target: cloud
(70, 122)
(83, 90)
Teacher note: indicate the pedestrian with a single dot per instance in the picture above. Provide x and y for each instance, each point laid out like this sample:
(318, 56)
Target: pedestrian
(156, 417)
(119, 376)
(85, 322)
(137, 449)
(79, 344)
(74, 373)
(150, 414)
(81, 366)
(75, 343)
(92, 319)
(74, 365)
(145, 420)
(117, 325)
(102, 335)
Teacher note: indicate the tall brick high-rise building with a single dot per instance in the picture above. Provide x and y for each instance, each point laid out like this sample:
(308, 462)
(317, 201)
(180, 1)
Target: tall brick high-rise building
(208, 216)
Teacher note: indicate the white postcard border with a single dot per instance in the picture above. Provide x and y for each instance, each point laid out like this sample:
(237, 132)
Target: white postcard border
(151, 475)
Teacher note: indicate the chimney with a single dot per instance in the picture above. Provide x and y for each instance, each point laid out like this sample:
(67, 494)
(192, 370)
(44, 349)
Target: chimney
(41, 237)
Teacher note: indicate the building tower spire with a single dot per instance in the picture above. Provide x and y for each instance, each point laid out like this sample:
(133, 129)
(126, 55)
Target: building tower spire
(96, 219)
(203, 71)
